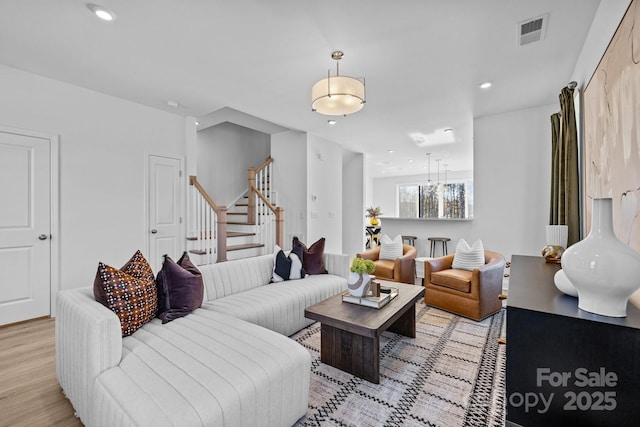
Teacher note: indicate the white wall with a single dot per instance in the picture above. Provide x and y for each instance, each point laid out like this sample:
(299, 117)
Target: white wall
(511, 163)
(225, 152)
(324, 181)
(289, 152)
(353, 199)
(306, 166)
(104, 141)
(512, 168)
(604, 25)
(103, 146)
(512, 158)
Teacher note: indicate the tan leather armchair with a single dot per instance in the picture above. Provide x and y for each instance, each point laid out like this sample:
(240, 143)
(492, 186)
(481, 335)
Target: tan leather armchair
(474, 294)
(402, 269)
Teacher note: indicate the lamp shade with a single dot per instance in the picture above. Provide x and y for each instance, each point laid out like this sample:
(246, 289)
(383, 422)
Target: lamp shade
(337, 96)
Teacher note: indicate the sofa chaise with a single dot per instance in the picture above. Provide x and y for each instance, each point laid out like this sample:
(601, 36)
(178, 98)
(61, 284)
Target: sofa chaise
(228, 363)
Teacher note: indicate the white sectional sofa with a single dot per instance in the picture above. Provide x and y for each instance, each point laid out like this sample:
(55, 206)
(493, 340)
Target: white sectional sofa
(228, 363)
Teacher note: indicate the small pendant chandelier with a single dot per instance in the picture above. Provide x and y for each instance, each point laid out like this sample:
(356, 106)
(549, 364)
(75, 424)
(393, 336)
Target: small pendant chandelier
(445, 174)
(429, 182)
(438, 186)
(339, 95)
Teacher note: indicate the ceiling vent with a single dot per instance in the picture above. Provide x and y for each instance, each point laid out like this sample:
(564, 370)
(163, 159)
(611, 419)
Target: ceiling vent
(532, 30)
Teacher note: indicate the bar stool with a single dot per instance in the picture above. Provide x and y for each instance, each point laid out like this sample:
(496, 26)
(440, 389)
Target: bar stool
(411, 240)
(434, 241)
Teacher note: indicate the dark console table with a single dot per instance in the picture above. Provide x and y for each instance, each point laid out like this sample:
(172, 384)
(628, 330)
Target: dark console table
(566, 366)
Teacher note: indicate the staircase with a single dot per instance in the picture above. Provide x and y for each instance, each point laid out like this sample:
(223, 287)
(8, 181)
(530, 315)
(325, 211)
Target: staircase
(249, 228)
(242, 236)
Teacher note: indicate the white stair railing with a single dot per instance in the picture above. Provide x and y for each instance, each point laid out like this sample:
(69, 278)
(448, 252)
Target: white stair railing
(207, 225)
(266, 218)
(262, 210)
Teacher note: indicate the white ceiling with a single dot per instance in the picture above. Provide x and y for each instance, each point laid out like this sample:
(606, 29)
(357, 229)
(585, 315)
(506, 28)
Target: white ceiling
(422, 60)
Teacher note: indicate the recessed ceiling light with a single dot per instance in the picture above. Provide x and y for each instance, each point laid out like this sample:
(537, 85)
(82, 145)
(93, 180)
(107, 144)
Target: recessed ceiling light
(448, 130)
(389, 151)
(410, 160)
(197, 123)
(485, 85)
(173, 104)
(101, 12)
(332, 122)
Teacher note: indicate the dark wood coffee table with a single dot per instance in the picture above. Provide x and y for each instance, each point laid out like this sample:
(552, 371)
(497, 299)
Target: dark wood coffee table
(350, 333)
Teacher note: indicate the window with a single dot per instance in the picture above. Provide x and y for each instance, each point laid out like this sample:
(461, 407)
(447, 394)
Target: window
(452, 200)
(409, 201)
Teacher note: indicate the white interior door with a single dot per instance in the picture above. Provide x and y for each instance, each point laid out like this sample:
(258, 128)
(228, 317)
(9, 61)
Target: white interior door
(165, 201)
(25, 227)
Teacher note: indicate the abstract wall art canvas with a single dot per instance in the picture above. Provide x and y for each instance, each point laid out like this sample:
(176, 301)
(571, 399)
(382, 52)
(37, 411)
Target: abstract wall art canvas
(611, 157)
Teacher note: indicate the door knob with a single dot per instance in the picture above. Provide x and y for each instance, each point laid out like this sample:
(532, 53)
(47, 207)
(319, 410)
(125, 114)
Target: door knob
(154, 231)
(43, 237)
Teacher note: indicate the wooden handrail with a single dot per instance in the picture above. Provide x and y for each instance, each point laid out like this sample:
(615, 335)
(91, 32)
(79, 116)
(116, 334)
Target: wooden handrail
(279, 213)
(264, 199)
(194, 181)
(265, 164)
(221, 221)
(252, 172)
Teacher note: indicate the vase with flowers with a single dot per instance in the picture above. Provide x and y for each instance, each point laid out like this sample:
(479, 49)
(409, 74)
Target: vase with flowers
(373, 214)
(359, 278)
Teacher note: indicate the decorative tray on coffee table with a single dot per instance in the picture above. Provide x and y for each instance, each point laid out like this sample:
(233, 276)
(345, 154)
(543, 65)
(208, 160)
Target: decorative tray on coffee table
(387, 293)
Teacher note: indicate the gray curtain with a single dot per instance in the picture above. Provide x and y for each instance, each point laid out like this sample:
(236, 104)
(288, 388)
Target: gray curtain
(564, 168)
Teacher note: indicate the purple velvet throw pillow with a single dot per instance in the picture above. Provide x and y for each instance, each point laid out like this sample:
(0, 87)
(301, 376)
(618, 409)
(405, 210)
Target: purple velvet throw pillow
(312, 257)
(180, 288)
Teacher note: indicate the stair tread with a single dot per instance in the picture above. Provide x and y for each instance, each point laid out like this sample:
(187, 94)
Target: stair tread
(229, 234)
(198, 251)
(194, 238)
(244, 246)
(246, 213)
(239, 223)
(239, 234)
(247, 197)
(230, 248)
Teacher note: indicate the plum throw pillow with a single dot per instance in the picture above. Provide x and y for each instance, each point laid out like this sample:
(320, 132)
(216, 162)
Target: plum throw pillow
(391, 249)
(180, 288)
(312, 257)
(287, 267)
(468, 257)
(129, 292)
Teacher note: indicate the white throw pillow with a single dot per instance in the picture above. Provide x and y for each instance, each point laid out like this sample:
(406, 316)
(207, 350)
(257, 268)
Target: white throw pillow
(391, 249)
(468, 257)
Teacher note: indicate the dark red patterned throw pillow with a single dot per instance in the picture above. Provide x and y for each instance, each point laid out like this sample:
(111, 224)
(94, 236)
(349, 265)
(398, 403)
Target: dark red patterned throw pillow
(129, 292)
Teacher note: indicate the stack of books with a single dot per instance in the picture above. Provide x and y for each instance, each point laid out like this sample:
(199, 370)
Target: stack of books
(386, 295)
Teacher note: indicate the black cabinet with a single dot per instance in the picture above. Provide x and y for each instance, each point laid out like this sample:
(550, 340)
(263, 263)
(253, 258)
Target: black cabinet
(566, 366)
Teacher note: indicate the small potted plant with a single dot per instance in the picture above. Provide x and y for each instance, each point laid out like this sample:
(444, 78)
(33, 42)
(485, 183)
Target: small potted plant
(374, 213)
(359, 279)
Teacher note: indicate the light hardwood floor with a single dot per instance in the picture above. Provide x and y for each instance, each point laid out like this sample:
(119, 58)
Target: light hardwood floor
(29, 391)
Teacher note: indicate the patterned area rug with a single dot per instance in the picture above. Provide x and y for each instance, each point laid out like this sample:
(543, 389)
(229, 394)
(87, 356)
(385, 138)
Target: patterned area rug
(451, 374)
